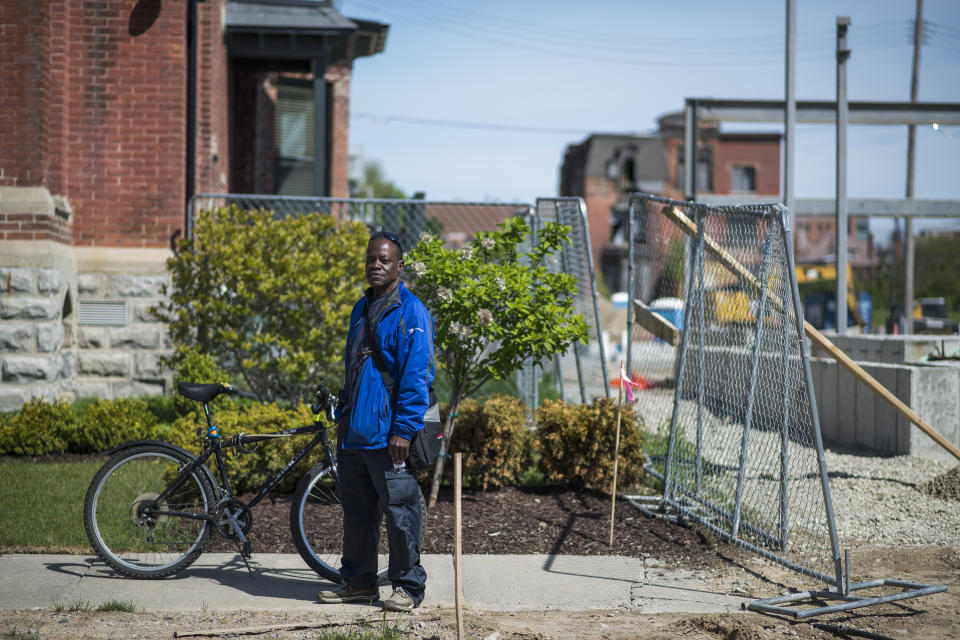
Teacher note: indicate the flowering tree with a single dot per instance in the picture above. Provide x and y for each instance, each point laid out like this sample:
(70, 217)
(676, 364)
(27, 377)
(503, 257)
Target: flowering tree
(495, 304)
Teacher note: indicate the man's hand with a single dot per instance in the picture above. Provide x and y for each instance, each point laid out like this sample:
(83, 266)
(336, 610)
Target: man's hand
(399, 449)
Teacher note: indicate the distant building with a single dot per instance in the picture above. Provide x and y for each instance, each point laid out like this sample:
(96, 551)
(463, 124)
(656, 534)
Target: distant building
(605, 168)
(114, 113)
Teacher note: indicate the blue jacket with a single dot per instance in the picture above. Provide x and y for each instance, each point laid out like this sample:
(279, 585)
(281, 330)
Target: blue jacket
(405, 335)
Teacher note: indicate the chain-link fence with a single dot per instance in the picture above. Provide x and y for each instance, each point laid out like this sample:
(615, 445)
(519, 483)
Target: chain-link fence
(581, 373)
(456, 223)
(738, 446)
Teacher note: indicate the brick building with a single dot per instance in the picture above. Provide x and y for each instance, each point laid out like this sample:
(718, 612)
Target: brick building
(605, 168)
(114, 114)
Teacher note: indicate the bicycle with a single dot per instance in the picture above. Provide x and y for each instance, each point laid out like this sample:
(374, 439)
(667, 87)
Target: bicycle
(152, 508)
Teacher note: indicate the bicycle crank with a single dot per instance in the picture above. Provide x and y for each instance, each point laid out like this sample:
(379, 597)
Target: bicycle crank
(234, 520)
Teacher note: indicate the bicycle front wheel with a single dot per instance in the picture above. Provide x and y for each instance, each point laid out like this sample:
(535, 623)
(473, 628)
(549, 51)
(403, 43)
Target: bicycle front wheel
(316, 522)
(136, 524)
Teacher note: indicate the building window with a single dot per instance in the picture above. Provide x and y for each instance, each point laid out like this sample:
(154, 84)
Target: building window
(704, 174)
(863, 229)
(743, 179)
(293, 139)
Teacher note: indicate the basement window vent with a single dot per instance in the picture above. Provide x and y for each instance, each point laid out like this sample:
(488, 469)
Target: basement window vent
(102, 312)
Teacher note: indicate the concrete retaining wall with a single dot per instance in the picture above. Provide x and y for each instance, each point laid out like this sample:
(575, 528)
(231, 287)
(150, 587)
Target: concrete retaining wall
(852, 415)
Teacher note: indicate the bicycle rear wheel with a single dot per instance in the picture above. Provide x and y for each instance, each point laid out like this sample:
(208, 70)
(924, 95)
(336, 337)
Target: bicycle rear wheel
(131, 528)
(316, 522)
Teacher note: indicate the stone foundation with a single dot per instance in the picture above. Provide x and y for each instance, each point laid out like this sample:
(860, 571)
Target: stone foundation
(74, 321)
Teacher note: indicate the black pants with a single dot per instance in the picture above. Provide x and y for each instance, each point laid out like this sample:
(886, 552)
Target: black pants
(368, 487)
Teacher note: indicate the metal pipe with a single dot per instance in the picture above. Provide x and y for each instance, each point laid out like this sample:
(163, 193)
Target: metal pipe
(678, 378)
(908, 239)
(596, 302)
(631, 285)
(785, 430)
(690, 150)
(811, 397)
(843, 54)
(752, 388)
(790, 111)
(701, 386)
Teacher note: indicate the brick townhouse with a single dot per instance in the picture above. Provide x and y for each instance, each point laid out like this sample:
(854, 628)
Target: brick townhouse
(114, 114)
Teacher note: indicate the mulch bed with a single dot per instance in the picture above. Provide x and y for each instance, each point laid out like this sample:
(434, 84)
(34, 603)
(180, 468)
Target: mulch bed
(511, 520)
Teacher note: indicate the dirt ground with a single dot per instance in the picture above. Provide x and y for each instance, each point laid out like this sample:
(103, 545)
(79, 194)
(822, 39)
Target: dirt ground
(565, 522)
(932, 616)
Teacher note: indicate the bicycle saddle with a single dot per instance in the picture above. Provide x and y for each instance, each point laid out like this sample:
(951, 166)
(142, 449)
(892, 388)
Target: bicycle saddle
(202, 392)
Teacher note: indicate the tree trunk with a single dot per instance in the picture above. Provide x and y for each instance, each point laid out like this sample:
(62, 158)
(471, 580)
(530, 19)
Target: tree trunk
(444, 446)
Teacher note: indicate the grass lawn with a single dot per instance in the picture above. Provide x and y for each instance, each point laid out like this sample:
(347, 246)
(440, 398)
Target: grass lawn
(41, 505)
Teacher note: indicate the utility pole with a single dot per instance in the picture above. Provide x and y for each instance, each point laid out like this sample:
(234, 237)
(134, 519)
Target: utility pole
(908, 244)
(790, 112)
(843, 54)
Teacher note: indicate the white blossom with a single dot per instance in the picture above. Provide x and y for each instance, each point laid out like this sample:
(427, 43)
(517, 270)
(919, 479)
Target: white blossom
(462, 331)
(500, 282)
(484, 317)
(551, 259)
(488, 243)
(418, 267)
(466, 253)
(444, 294)
(426, 236)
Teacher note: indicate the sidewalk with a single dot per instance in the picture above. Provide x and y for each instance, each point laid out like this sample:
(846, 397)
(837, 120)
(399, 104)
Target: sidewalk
(221, 582)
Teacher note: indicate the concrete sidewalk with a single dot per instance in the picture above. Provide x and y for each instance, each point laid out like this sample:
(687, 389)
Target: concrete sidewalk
(221, 582)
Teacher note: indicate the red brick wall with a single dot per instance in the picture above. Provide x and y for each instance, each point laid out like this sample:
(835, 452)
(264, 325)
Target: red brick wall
(22, 49)
(93, 95)
(763, 155)
(34, 226)
(213, 136)
(126, 122)
(338, 75)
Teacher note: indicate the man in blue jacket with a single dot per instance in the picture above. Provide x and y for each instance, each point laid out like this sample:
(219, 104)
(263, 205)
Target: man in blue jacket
(376, 424)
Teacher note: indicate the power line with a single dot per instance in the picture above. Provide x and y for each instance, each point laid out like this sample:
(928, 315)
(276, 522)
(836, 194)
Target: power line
(635, 49)
(461, 124)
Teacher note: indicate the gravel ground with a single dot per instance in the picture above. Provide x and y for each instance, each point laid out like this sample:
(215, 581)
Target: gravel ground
(895, 500)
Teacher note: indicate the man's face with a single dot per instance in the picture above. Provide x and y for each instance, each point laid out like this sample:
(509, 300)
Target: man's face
(383, 265)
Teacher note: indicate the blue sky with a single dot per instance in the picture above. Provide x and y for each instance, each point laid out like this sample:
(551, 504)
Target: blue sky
(477, 101)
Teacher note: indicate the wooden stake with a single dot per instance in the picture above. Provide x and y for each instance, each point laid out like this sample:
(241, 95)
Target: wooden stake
(458, 542)
(616, 452)
(689, 227)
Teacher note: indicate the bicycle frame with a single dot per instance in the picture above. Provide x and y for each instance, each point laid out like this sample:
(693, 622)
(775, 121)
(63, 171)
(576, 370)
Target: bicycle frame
(214, 446)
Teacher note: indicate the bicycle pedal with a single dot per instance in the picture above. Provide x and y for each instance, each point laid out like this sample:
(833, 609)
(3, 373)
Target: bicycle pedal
(245, 550)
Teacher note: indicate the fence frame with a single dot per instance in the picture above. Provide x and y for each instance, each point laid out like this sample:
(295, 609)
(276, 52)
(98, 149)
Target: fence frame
(840, 586)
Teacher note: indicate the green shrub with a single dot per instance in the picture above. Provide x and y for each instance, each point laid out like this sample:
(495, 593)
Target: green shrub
(190, 364)
(248, 471)
(269, 299)
(576, 444)
(495, 441)
(103, 424)
(163, 408)
(39, 428)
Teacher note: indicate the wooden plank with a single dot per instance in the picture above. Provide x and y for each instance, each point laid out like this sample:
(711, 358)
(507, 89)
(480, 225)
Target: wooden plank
(656, 324)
